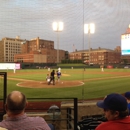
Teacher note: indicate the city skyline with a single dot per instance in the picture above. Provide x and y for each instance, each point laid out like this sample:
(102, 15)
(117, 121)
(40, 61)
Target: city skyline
(31, 19)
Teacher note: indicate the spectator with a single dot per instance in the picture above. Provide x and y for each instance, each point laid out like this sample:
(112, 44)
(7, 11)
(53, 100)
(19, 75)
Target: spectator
(116, 112)
(127, 96)
(16, 117)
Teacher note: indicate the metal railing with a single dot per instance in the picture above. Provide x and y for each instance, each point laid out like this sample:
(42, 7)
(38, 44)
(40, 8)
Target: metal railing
(56, 113)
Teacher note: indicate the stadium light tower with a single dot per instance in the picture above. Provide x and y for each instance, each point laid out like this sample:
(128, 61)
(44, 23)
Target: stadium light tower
(57, 27)
(89, 29)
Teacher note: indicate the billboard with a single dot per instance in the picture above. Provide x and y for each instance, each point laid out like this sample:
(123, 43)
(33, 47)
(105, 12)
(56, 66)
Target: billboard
(125, 44)
(8, 66)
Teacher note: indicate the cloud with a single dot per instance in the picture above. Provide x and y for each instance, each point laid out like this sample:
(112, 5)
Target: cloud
(32, 18)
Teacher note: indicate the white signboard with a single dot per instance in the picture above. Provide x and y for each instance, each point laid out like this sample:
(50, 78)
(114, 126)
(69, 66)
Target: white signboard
(125, 44)
(8, 66)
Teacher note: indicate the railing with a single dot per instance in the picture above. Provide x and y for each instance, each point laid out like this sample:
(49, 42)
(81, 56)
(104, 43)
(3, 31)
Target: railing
(62, 116)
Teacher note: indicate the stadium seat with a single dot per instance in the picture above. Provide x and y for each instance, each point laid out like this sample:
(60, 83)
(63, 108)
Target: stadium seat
(90, 122)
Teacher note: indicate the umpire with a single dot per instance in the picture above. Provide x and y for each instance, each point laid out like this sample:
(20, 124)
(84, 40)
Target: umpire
(52, 77)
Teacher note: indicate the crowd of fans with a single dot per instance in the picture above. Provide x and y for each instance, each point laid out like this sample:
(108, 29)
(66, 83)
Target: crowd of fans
(116, 112)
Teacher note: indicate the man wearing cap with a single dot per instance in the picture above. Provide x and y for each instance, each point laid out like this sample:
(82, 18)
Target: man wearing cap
(116, 112)
(127, 96)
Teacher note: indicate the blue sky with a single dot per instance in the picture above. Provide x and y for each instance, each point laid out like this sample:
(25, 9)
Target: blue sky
(32, 18)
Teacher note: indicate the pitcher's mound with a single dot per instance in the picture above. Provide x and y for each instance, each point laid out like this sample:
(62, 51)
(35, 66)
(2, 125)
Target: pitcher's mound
(43, 84)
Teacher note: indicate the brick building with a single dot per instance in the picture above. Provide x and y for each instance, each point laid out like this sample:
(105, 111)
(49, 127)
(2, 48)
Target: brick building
(98, 56)
(8, 48)
(39, 51)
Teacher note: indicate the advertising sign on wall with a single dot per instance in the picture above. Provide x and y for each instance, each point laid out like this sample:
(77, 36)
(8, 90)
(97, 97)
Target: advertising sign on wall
(8, 66)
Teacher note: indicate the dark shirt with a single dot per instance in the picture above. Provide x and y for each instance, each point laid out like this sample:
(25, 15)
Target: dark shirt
(58, 74)
(52, 74)
(129, 107)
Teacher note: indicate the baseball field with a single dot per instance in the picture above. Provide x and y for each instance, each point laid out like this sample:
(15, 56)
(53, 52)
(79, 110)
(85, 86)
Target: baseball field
(80, 83)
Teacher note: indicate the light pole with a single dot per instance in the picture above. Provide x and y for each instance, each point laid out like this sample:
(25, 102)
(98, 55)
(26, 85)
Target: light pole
(57, 27)
(89, 29)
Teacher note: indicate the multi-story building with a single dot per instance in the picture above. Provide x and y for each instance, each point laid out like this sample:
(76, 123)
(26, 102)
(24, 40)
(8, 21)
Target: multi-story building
(97, 56)
(39, 51)
(8, 48)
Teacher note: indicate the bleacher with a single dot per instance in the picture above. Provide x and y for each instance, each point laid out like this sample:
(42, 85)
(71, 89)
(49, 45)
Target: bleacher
(90, 122)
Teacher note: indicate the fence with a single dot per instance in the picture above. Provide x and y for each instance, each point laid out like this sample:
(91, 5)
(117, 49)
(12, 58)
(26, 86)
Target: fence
(55, 111)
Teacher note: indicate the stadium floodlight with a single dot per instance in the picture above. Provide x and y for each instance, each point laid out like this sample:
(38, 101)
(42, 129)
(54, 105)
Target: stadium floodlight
(57, 27)
(89, 29)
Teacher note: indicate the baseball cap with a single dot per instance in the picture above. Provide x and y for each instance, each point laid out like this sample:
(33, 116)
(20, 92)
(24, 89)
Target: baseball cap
(113, 101)
(127, 94)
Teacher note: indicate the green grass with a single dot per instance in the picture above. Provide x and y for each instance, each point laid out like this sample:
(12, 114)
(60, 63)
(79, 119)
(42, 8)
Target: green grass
(96, 83)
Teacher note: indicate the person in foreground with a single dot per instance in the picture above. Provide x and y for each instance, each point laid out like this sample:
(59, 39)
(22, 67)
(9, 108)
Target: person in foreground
(127, 96)
(116, 112)
(16, 117)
